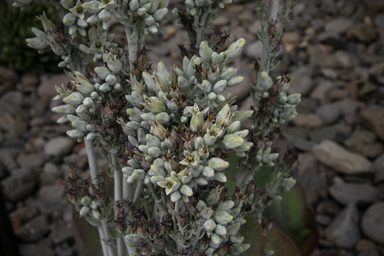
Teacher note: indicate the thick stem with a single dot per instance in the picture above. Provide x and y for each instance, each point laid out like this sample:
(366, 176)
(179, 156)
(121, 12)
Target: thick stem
(107, 240)
(102, 237)
(91, 159)
(135, 38)
(127, 190)
(273, 9)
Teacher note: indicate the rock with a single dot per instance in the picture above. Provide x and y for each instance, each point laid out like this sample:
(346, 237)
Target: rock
(374, 116)
(323, 219)
(346, 60)
(328, 207)
(29, 80)
(19, 185)
(327, 133)
(294, 133)
(333, 155)
(42, 248)
(338, 25)
(7, 121)
(58, 146)
(34, 229)
(344, 230)
(308, 120)
(305, 145)
(372, 223)
(60, 234)
(330, 113)
(24, 214)
(362, 32)
(348, 108)
(290, 40)
(319, 55)
(31, 160)
(302, 82)
(7, 159)
(254, 50)
(52, 192)
(7, 74)
(378, 168)
(361, 194)
(377, 71)
(47, 89)
(221, 21)
(364, 244)
(363, 142)
(307, 106)
(331, 38)
(321, 90)
(64, 250)
(10, 103)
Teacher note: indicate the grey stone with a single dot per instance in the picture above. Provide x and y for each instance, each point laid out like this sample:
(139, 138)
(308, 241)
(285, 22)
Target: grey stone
(29, 80)
(363, 142)
(346, 60)
(361, 194)
(338, 25)
(34, 230)
(321, 90)
(333, 155)
(31, 160)
(58, 146)
(307, 106)
(7, 74)
(46, 89)
(348, 108)
(254, 50)
(302, 82)
(308, 120)
(362, 32)
(344, 230)
(7, 159)
(60, 233)
(20, 184)
(64, 250)
(240, 91)
(330, 113)
(327, 133)
(373, 222)
(323, 219)
(328, 207)
(51, 168)
(378, 168)
(294, 133)
(305, 145)
(374, 116)
(52, 192)
(24, 214)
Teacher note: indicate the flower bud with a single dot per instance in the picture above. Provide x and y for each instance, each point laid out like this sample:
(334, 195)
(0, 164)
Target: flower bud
(294, 98)
(64, 109)
(206, 213)
(82, 23)
(204, 51)
(209, 225)
(94, 205)
(241, 115)
(222, 217)
(85, 201)
(134, 5)
(102, 72)
(111, 79)
(215, 239)
(220, 230)
(206, 86)
(218, 164)
(69, 19)
(235, 49)
(208, 172)
(232, 141)
(138, 174)
(93, 19)
(154, 152)
(235, 81)
(220, 177)
(154, 105)
(265, 82)
(160, 14)
(95, 214)
(175, 196)
(104, 15)
(189, 3)
(186, 190)
(84, 210)
(74, 99)
(92, 6)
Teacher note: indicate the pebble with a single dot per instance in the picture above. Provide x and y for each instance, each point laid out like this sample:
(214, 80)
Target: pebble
(344, 230)
(29, 80)
(338, 25)
(60, 233)
(364, 142)
(52, 192)
(24, 214)
(361, 194)
(321, 90)
(365, 244)
(308, 120)
(254, 50)
(32, 160)
(328, 207)
(58, 146)
(46, 89)
(329, 113)
(20, 184)
(303, 82)
(362, 32)
(327, 133)
(372, 223)
(374, 116)
(378, 168)
(34, 229)
(7, 74)
(333, 155)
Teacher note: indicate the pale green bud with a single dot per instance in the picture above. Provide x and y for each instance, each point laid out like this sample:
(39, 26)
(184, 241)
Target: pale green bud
(92, 6)
(156, 179)
(242, 115)
(206, 86)
(93, 19)
(218, 164)
(154, 152)
(148, 116)
(215, 58)
(265, 82)
(216, 239)
(69, 19)
(67, 4)
(84, 210)
(234, 127)
(294, 98)
(267, 158)
(201, 205)
(62, 120)
(192, 11)
(85, 201)
(102, 72)
(228, 73)
(235, 81)
(138, 174)
(189, 3)
(222, 217)
(82, 23)
(233, 229)
(214, 195)
(212, 96)
(209, 225)
(242, 134)
(175, 196)
(80, 125)
(134, 5)
(163, 117)
(37, 43)
(206, 213)
(74, 99)
(200, 181)
(227, 205)
(94, 205)
(149, 20)
(220, 177)
(204, 51)
(141, 11)
(160, 14)
(155, 105)
(186, 190)
(64, 109)
(152, 29)
(220, 230)
(232, 141)
(235, 49)
(111, 79)
(88, 102)
(95, 214)
(208, 172)
(184, 119)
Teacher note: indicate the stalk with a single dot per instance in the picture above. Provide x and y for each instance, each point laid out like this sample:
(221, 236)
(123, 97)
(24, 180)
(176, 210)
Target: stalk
(107, 240)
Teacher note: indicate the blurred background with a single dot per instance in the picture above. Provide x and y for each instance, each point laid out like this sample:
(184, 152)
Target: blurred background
(333, 49)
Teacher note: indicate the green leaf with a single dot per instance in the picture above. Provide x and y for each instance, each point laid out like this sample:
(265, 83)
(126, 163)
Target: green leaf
(254, 235)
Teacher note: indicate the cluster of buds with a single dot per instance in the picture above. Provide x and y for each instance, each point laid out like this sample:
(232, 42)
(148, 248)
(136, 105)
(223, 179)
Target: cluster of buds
(89, 198)
(197, 7)
(273, 105)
